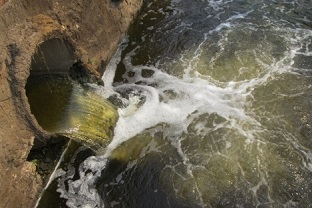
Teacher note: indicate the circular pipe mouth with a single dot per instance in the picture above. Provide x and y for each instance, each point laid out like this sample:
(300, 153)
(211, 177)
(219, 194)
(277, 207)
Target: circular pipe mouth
(48, 85)
(60, 101)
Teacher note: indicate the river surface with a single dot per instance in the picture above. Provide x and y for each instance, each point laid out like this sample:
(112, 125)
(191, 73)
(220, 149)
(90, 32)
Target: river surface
(214, 104)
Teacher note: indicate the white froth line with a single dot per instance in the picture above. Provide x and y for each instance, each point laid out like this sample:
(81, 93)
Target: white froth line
(228, 21)
(52, 176)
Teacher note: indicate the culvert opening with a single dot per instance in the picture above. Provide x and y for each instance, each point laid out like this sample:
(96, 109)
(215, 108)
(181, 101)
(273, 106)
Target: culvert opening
(61, 100)
(49, 87)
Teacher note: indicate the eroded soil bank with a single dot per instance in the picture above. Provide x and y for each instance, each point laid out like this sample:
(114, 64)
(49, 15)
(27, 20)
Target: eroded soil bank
(92, 28)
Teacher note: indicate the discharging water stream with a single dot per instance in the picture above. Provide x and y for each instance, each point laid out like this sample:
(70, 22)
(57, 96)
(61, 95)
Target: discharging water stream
(214, 104)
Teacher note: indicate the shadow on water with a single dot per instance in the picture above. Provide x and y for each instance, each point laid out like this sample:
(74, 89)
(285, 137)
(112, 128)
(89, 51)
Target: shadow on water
(143, 189)
(51, 198)
(122, 183)
(133, 177)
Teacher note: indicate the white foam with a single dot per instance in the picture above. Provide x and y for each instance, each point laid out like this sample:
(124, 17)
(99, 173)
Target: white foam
(190, 95)
(228, 23)
(82, 192)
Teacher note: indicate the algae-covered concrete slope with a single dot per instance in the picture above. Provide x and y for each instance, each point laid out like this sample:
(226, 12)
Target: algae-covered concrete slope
(93, 29)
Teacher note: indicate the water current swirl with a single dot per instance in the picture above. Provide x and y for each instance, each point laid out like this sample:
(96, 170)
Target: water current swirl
(214, 110)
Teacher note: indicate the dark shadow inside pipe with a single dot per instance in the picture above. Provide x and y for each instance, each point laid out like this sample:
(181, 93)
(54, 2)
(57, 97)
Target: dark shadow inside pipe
(49, 86)
(54, 56)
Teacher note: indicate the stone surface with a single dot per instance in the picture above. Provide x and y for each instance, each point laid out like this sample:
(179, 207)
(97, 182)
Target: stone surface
(93, 28)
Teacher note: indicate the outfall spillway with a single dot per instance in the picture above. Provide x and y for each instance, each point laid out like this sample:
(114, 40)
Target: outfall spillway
(93, 29)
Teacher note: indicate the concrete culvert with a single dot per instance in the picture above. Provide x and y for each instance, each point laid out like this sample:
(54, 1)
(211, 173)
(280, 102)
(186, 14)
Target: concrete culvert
(60, 99)
(88, 33)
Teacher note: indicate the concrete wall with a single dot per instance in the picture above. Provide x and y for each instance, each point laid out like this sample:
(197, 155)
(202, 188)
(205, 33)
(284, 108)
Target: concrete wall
(93, 29)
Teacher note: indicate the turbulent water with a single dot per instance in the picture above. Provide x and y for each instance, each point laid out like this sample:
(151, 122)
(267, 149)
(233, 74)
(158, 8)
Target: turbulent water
(214, 110)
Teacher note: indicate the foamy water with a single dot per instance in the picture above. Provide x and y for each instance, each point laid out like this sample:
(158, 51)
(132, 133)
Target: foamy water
(225, 116)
